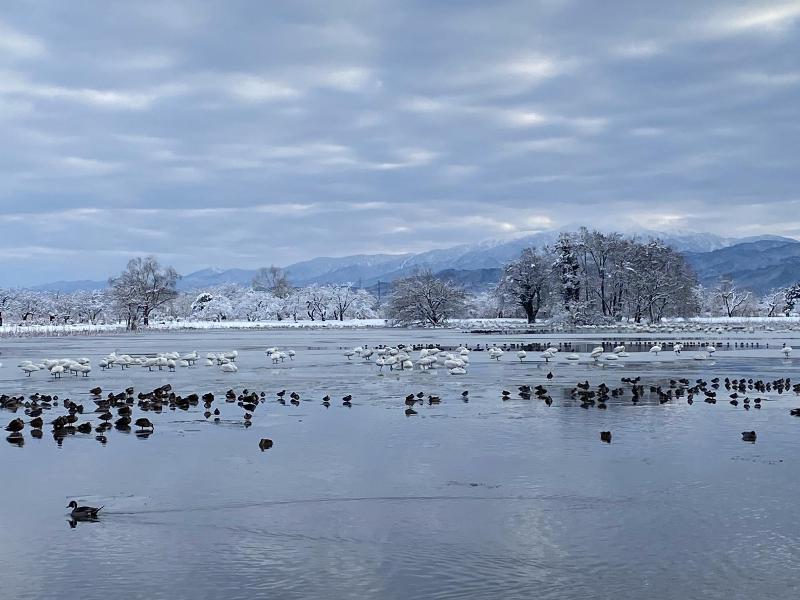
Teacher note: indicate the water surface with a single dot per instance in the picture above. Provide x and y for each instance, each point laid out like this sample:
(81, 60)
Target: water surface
(488, 498)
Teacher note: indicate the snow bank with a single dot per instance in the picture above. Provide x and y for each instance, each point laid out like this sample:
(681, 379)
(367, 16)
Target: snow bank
(87, 329)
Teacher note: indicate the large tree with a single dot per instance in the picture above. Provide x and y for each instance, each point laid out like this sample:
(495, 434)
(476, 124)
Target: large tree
(274, 280)
(143, 287)
(526, 281)
(425, 299)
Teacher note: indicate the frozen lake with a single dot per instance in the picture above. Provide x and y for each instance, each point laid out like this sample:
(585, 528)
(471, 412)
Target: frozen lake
(488, 498)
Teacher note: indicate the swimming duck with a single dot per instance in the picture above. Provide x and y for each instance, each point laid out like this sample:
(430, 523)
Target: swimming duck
(83, 512)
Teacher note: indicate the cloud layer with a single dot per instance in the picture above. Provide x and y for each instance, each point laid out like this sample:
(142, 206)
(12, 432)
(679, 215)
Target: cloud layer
(234, 133)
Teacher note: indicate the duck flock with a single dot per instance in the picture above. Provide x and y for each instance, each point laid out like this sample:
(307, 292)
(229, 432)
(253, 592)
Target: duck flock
(129, 410)
(392, 358)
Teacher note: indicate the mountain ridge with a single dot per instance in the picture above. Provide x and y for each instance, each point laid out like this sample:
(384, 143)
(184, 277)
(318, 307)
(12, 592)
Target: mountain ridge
(755, 261)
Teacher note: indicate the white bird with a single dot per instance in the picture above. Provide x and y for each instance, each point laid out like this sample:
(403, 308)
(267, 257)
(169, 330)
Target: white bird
(655, 349)
(619, 349)
(521, 355)
(291, 354)
(574, 356)
(453, 363)
(597, 352)
(275, 356)
(547, 355)
(458, 371)
(495, 353)
(787, 350)
(711, 348)
(612, 357)
(701, 356)
(349, 354)
(229, 368)
(56, 370)
(84, 370)
(426, 362)
(366, 354)
(189, 358)
(29, 368)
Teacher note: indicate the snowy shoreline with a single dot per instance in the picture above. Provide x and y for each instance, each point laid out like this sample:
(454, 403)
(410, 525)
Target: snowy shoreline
(697, 324)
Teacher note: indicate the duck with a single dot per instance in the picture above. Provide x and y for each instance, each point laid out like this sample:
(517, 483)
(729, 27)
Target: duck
(83, 512)
(749, 436)
(144, 423)
(15, 426)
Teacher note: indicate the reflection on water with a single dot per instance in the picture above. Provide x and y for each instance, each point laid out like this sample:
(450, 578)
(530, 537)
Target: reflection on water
(478, 499)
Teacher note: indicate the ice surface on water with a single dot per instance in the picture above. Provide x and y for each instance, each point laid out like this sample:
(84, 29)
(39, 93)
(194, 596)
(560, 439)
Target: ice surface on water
(480, 499)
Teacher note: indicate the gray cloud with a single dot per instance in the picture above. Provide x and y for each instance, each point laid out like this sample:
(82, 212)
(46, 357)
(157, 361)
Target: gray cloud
(241, 134)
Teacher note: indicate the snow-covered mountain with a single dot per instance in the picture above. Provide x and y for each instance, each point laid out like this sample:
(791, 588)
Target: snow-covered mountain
(368, 270)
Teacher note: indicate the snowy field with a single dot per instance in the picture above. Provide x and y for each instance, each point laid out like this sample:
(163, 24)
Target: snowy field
(695, 325)
(501, 496)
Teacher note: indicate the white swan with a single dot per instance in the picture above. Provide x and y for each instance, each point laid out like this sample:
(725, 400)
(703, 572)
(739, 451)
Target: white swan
(655, 349)
(787, 350)
(521, 355)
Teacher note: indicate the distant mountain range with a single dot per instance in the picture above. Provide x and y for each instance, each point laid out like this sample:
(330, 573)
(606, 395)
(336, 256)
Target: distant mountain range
(759, 266)
(759, 263)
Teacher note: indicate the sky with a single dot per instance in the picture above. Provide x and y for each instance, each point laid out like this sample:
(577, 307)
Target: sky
(240, 134)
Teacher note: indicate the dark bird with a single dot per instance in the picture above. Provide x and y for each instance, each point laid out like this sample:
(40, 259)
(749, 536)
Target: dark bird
(83, 513)
(749, 436)
(605, 436)
(15, 425)
(144, 423)
(265, 444)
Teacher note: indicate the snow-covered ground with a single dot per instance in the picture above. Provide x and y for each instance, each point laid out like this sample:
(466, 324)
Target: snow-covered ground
(716, 325)
(89, 329)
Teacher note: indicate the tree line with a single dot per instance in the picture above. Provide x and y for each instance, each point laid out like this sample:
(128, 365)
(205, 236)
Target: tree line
(585, 277)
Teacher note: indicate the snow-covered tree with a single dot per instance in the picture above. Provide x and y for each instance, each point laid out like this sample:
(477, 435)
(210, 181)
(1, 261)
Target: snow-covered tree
(792, 297)
(526, 282)
(426, 299)
(773, 303)
(143, 287)
(272, 279)
(730, 298)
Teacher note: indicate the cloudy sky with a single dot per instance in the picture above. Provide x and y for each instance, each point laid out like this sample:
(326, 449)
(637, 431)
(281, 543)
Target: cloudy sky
(231, 133)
